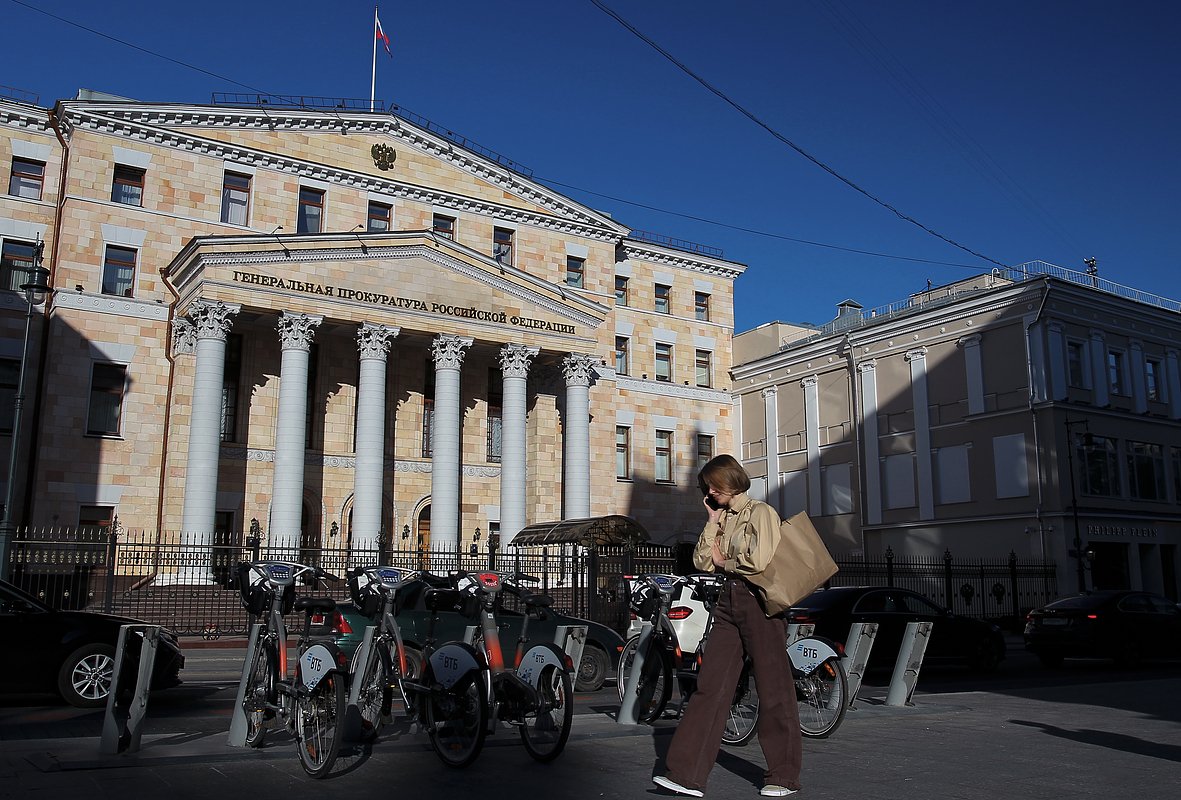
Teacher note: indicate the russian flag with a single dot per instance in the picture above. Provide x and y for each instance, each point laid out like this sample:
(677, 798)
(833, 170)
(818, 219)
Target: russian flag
(385, 40)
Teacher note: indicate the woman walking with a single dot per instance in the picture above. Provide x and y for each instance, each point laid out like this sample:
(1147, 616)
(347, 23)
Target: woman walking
(738, 541)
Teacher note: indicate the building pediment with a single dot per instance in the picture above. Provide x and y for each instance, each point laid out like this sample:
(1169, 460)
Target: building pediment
(413, 280)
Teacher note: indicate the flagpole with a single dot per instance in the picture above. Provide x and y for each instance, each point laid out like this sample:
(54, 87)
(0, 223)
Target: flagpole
(373, 76)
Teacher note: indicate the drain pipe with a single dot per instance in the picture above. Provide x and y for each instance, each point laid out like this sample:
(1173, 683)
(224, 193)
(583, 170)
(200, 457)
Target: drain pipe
(1037, 446)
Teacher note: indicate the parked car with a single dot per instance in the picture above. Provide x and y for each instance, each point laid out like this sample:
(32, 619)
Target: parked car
(955, 639)
(599, 653)
(1126, 626)
(71, 653)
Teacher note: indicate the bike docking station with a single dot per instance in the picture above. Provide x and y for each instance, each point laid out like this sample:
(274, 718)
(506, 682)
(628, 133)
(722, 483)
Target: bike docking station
(857, 650)
(353, 727)
(628, 712)
(238, 726)
(123, 721)
(910, 661)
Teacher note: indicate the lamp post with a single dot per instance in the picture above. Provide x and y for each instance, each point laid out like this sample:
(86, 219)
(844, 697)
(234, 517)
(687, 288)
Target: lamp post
(1078, 542)
(36, 290)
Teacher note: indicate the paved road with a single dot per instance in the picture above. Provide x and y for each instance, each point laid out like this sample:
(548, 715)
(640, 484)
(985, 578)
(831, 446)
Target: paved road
(1088, 732)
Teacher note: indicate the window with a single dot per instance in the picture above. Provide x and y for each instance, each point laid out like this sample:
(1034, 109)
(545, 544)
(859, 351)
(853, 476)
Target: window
(705, 449)
(107, 384)
(701, 306)
(16, 264)
(231, 378)
(1152, 379)
(495, 414)
(28, 179)
(119, 271)
(1146, 471)
(703, 367)
(662, 295)
(574, 269)
(664, 362)
(380, 217)
(235, 199)
(9, 377)
(93, 518)
(621, 355)
(311, 210)
(623, 452)
(1115, 372)
(443, 226)
(502, 245)
(664, 456)
(128, 186)
(620, 290)
(1076, 362)
(1099, 466)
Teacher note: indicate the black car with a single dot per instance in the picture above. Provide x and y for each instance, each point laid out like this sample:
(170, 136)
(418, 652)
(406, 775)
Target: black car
(599, 653)
(955, 639)
(1126, 626)
(71, 653)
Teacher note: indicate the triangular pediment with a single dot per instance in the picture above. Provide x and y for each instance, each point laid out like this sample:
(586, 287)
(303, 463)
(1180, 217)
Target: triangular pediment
(413, 280)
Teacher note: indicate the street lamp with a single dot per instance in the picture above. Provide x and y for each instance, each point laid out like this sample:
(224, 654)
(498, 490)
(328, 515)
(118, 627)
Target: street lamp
(1088, 441)
(474, 549)
(36, 290)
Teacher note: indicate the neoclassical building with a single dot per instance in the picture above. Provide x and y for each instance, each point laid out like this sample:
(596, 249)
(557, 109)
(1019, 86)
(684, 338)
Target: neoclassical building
(343, 326)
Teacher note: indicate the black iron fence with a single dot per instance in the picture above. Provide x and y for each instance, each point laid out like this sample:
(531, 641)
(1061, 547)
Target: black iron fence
(188, 582)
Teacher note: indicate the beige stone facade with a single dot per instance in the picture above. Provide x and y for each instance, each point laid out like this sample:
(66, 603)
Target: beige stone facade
(187, 247)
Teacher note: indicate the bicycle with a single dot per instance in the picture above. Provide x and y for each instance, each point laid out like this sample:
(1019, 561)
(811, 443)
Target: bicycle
(820, 681)
(534, 693)
(311, 703)
(441, 687)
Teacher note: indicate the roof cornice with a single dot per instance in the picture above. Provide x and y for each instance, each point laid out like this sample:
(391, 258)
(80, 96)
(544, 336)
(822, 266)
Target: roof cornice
(681, 259)
(22, 115)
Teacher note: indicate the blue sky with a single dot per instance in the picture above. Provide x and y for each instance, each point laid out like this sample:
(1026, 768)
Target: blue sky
(1019, 129)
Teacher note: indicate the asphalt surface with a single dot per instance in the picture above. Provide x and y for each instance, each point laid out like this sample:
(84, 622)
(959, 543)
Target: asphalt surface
(1089, 733)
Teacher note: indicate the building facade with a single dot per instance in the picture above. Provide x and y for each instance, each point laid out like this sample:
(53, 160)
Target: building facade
(340, 327)
(1034, 411)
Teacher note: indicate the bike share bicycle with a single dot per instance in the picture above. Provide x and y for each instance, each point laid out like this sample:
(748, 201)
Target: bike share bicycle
(535, 692)
(443, 688)
(821, 684)
(311, 704)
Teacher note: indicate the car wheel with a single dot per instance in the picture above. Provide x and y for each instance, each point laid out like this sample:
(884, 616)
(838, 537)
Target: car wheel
(592, 669)
(85, 677)
(985, 658)
(1129, 654)
(1050, 659)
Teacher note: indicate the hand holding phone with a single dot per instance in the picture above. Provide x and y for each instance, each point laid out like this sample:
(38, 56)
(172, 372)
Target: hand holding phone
(714, 504)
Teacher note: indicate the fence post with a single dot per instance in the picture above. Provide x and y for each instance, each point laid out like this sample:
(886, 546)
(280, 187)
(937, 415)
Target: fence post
(109, 589)
(947, 578)
(1013, 582)
(890, 566)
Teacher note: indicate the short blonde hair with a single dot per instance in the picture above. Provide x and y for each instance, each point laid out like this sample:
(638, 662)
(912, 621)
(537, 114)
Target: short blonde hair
(723, 473)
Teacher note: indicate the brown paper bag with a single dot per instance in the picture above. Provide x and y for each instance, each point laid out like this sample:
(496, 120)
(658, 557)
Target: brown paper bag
(801, 565)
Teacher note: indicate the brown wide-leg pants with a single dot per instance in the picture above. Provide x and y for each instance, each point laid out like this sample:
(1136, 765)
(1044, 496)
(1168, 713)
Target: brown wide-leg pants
(739, 627)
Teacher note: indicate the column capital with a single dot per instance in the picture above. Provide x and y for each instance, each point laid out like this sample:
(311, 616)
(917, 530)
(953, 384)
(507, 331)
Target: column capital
(515, 359)
(577, 369)
(769, 391)
(296, 330)
(374, 341)
(972, 340)
(918, 354)
(808, 382)
(184, 337)
(867, 366)
(213, 319)
(448, 351)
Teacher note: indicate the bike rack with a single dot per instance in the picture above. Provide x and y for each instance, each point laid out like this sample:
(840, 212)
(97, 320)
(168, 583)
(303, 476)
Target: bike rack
(352, 714)
(123, 725)
(860, 644)
(910, 661)
(238, 718)
(571, 639)
(628, 715)
(796, 631)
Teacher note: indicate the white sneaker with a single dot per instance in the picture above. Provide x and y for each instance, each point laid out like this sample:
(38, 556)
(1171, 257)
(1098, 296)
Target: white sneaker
(774, 790)
(673, 786)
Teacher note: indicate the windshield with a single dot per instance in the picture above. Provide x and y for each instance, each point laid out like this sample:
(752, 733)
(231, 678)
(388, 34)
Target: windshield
(13, 598)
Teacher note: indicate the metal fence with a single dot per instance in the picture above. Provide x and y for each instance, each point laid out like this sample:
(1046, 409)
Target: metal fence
(188, 583)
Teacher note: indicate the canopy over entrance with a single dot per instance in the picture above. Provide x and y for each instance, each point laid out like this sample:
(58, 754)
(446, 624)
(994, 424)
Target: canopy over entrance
(590, 532)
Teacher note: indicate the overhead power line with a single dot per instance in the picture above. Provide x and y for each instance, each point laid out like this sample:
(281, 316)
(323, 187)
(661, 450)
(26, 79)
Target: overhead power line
(749, 115)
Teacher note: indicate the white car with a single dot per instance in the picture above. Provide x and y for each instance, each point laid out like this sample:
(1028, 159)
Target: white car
(687, 613)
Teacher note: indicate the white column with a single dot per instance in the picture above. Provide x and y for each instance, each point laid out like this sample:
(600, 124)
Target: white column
(514, 367)
(812, 442)
(922, 432)
(1100, 385)
(771, 427)
(373, 344)
(446, 455)
(1059, 382)
(206, 333)
(296, 332)
(973, 372)
(577, 369)
(867, 372)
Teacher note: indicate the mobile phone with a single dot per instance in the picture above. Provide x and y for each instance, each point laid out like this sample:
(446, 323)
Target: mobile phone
(714, 504)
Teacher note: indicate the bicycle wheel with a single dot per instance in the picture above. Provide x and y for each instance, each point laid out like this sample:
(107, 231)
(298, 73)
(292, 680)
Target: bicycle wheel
(744, 713)
(655, 684)
(547, 728)
(319, 717)
(824, 695)
(260, 691)
(457, 721)
(373, 701)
